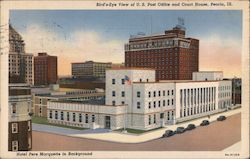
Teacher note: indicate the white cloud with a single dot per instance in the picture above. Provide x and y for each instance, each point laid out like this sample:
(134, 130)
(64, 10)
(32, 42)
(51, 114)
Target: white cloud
(78, 47)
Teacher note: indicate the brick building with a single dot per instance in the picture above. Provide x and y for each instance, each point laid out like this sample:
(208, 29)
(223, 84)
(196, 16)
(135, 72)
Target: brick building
(172, 55)
(45, 69)
(20, 128)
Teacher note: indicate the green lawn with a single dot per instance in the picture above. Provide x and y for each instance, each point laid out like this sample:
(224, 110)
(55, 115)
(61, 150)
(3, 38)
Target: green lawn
(136, 131)
(42, 120)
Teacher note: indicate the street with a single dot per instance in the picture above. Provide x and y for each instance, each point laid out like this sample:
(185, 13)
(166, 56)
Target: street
(214, 137)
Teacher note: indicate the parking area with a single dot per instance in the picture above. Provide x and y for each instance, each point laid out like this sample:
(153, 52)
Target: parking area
(216, 136)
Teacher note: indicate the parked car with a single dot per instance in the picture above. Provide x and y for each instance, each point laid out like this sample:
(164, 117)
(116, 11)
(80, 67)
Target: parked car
(180, 130)
(204, 123)
(190, 127)
(221, 118)
(168, 133)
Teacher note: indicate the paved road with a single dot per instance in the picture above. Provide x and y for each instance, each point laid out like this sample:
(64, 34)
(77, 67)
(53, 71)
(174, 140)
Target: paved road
(215, 137)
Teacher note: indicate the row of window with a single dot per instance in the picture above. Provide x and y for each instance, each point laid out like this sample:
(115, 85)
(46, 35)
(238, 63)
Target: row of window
(163, 103)
(14, 127)
(222, 88)
(168, 117)
(226, 94)
(159, 93)
(197, 95)
(197, 110)
(68, 118)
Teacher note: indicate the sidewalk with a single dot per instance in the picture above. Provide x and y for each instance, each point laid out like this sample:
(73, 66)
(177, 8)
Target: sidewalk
(131, 138)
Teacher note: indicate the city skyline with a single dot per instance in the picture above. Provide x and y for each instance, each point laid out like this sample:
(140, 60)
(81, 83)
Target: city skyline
(78, 36)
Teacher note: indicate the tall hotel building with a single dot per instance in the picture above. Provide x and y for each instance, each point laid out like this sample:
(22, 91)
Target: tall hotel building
(45, 69)
(172, 55)
(20, 63)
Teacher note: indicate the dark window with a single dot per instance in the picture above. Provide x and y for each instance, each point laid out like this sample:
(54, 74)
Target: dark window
(86, 118)
(67, 116)
(138, 94)
(113, 102)
(123, 81)
(93, 118)
(80, 117)
(74, 117)
(113, 93)
(123, 94)
(61, 115)
(154, 93)
(56, 115)
(138, 105)
(149, 94)
(149, 105)
(113, 81)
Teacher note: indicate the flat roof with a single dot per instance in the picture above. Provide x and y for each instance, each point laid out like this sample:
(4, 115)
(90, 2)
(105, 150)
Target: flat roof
(97, 102)
(207, 71)
(131, 68)
(179, 81)
(71, 95)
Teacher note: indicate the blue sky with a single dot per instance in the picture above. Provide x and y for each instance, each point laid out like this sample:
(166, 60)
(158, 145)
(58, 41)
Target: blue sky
(115, 26)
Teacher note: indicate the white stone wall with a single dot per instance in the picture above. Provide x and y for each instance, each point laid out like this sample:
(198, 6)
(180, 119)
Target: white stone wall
(23, 107)
(225, 94)
(202, 76)
(195, 106)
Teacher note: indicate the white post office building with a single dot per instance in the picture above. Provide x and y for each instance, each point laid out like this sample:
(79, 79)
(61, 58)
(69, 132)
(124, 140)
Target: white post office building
(134, 99)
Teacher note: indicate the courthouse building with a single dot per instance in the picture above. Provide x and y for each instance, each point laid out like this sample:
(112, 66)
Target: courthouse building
(134, 99)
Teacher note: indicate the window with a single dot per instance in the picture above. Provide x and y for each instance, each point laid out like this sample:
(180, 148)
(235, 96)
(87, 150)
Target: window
(154, 93)
(61, 115)
(154, 118)
(123, 94)
(168, 102)
(149, 105)
(113, 93)
(113, 81)
(123, 81)
(149, 120)
(67, 116)
(56, 115)
(14, 145)
(113, 102)
(172, 92)
(123, 102)
(14, 108)
(138, 94)
(29, 126)
(140, 80)
(159, 103)
(147, 79)
(138, 105)
(168, 116)
(163, 92)
(164, 103)
(172, 101)
(80, 117)
(162, 115)
(14, 127)
(93, 118)
(149, 94)
(74, 117)
(154, 104)
(159, 93)
(50, 114)
(168, 92)
(86, 118)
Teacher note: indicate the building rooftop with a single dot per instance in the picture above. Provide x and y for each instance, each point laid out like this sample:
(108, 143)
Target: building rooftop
(208, 71)
(96, 102)
(46, 90)
(131, 68)
(71, 95)
(177, 81)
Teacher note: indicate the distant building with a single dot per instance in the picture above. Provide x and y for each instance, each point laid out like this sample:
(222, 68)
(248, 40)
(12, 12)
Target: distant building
(45, 69)
(20, 63)
(207, 75)
(20, 128)
(134, 99)
(236, 91)
(90, 69)
(41, 96)
(172, 55)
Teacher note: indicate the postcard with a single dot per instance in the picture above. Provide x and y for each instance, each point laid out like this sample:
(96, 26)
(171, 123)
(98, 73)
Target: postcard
(124, 79)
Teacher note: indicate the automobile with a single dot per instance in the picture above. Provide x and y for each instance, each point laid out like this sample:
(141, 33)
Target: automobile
(180, 130)
(190, 127)
(221, 118)
(168, 133)
(204, 123)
